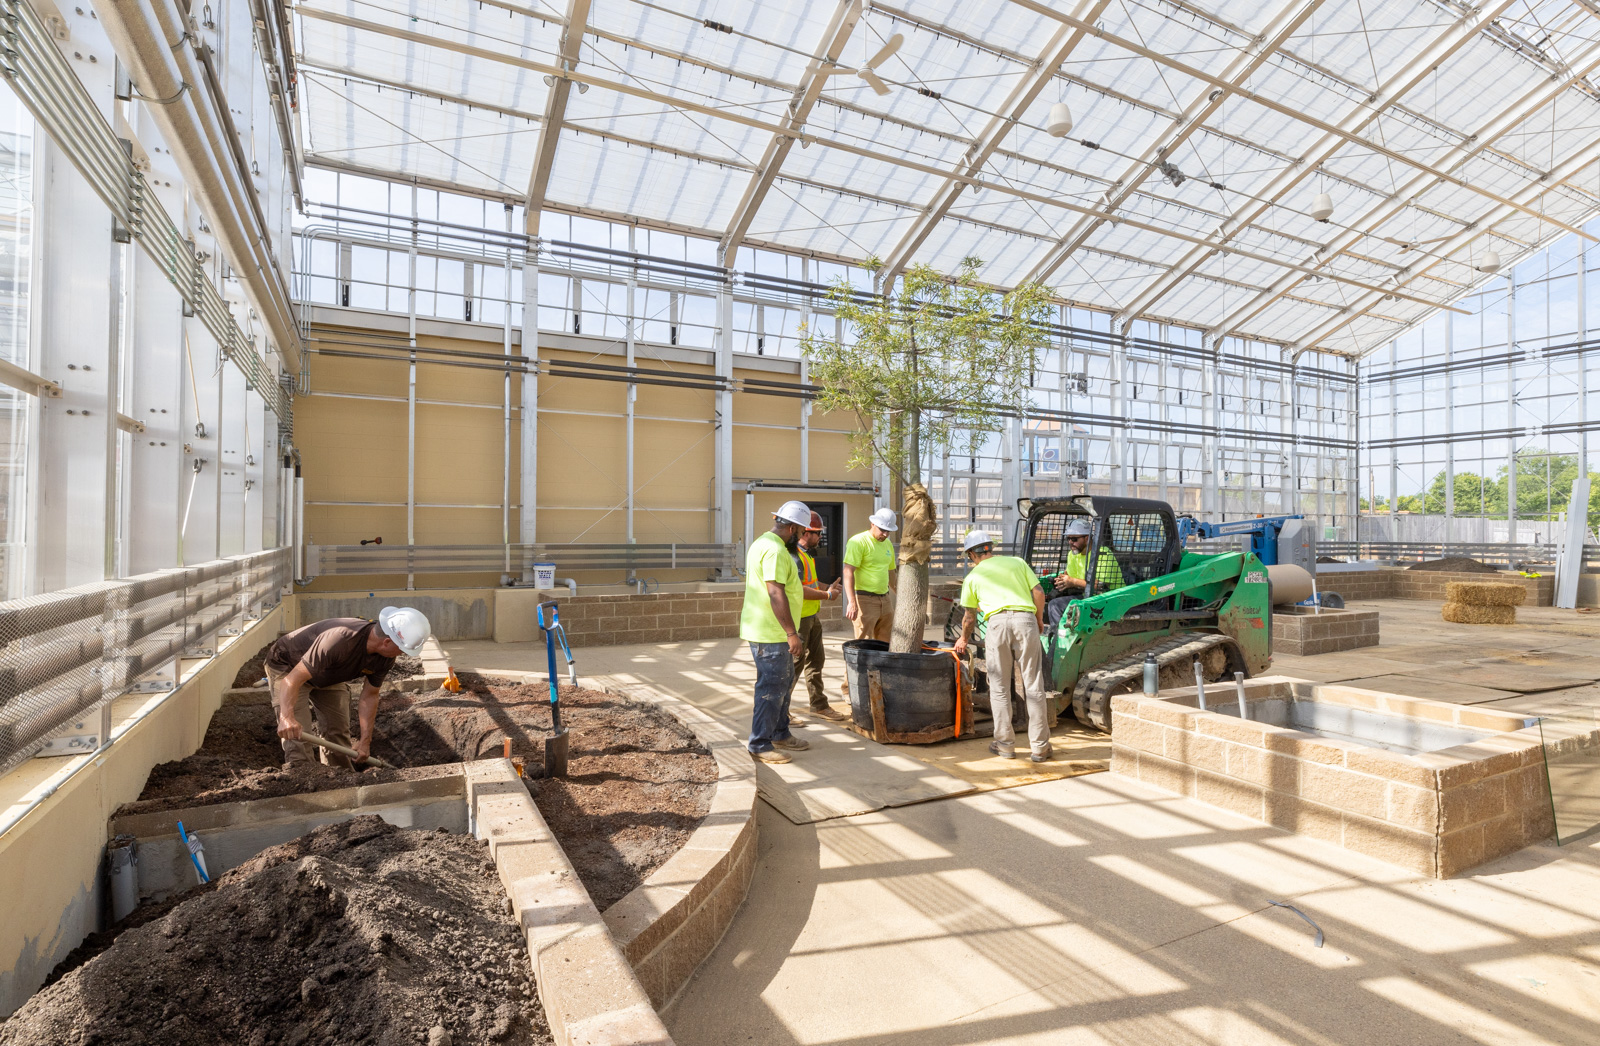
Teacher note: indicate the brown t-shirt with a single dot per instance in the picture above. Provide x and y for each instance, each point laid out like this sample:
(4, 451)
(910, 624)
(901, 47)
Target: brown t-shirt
(334, 651)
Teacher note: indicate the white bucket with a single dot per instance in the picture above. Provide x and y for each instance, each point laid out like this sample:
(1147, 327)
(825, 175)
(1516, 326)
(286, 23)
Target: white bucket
(544, 575)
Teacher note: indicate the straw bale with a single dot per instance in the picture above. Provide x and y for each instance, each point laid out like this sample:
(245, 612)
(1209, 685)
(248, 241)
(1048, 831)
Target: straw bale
(1486, 593)
(1479, 614)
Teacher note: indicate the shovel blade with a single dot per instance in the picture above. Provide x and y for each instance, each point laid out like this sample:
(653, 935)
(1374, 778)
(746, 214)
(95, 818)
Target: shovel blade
(555, 755)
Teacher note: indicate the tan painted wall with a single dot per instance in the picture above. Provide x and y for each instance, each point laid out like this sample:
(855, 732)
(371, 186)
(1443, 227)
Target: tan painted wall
(50, 862)
(355, 450)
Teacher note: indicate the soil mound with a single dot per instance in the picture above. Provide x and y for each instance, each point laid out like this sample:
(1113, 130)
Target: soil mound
(358, 933)
(638, 782)
(1455, 564)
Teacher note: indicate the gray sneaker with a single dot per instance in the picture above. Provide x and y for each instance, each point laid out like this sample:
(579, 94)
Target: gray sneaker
(1008, 752)
(1044, 756)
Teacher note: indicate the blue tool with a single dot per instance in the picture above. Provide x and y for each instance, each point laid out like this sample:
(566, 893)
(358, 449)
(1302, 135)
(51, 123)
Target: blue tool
(1262, 530)
(555, 746)
(197, 853)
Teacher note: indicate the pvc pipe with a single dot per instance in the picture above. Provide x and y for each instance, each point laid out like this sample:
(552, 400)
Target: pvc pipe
(1244, 706)
(1200, 683)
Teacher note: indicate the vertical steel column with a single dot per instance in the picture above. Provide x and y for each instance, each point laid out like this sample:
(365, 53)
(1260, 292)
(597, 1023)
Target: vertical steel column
(805, 379)
(1165, 444)
(411, 389)
(1450, 424)
(1063, 360)
(529, 421)
(1209, 419)
(722, 471)
(1511, 407)
(1394, 450)
(1119, 411)
(633, 388)
(118, 294)
(505, 453)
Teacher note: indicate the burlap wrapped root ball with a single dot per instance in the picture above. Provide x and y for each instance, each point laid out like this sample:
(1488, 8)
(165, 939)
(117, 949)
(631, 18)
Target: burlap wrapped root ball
(1485, 593)
(1479, 613)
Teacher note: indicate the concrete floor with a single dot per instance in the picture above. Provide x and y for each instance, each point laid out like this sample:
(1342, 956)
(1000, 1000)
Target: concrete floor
(1100, 910)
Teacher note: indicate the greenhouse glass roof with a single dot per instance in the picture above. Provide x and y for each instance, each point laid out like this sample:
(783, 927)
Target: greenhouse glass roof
(1446, 136)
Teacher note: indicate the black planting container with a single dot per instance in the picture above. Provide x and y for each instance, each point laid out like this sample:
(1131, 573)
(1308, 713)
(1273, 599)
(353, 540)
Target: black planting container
(919, 690)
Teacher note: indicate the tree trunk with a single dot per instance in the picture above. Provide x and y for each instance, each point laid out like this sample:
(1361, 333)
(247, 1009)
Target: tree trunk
(918, 521)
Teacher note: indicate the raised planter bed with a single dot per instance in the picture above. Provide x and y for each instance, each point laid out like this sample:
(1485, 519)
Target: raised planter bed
(1434, 787)
(1304, 631)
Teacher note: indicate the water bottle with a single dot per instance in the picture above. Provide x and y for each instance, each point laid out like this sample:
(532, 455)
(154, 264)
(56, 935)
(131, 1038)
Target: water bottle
(1152, 676)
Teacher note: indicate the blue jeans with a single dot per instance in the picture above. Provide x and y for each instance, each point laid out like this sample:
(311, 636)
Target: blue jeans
(769, 721)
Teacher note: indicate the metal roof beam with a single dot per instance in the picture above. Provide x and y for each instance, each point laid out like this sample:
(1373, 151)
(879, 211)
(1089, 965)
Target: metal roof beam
(734, 116)
(1375, 105)
(555, 110)
(1238, 72)
(1062, 44)
(1333, 139)
(1506, 121)
(1567, 169)
(845, 19)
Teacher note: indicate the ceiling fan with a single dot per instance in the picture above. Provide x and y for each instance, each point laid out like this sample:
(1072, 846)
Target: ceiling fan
(869, 72)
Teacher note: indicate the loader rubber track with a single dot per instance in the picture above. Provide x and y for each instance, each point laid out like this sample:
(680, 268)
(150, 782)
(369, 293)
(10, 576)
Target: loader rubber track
(1091, 698)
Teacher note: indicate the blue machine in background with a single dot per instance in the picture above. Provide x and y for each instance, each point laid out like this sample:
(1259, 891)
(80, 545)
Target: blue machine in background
(1272, 539)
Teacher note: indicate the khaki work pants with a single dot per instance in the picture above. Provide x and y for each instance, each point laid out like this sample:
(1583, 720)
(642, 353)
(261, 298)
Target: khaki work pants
(1012, 641)
(876, 619)
(809, 663)
(333, 721)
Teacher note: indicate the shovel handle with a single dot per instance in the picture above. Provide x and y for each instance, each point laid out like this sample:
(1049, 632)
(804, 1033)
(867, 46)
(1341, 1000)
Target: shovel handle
(348, 753)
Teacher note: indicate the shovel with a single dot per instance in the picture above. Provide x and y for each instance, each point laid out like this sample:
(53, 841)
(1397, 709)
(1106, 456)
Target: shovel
(555, 746)
(348, 753)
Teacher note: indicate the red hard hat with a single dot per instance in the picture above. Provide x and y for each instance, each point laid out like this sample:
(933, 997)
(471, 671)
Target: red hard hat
(816, 522)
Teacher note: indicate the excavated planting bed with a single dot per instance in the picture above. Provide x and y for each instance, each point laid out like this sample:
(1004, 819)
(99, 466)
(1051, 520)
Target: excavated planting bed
(638, 781)
(355, 933)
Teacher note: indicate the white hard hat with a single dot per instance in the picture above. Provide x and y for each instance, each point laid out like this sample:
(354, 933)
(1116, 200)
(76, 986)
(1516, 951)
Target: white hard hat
(408, 628)
(883, 519)
(794, 512)
(975, 538)
(1078, 528)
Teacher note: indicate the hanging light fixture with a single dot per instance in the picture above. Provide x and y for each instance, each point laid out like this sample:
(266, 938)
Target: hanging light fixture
(1490, 262)
(1060, 123)
(1322, 207)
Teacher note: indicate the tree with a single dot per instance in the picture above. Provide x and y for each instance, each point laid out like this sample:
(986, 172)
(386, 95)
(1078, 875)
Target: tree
(930, 363)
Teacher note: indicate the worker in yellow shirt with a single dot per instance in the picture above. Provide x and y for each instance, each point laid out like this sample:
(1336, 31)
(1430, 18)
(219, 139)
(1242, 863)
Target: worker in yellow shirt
(1005, 590)
(1070, 582)
(869, 577)
(809, 662)
(772, 601)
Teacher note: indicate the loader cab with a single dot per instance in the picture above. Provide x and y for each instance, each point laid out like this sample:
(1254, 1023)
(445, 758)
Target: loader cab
(1134, 540)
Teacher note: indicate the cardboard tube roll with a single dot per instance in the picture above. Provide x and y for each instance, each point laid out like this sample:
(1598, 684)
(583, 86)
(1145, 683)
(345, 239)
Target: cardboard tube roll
(1288, 584)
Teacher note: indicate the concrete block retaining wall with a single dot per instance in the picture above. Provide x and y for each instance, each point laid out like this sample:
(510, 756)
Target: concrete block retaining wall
(1302, 631)
(1438, 813)
(611, 620)
(1400, 583)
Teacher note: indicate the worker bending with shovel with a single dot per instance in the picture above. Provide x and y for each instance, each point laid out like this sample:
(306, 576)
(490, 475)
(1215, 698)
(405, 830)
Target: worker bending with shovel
(1005, 590)
(312, 666)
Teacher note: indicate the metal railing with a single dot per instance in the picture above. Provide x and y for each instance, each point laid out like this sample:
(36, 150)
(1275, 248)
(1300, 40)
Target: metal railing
(336, 560)
(66, 655)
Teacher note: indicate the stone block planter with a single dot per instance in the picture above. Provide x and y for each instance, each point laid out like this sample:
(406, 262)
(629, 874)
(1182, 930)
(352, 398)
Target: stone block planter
(1459, 786)
(1302, 630)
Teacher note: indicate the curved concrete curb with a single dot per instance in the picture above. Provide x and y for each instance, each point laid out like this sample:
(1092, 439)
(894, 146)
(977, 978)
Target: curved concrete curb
(671, 921)
(590, 994)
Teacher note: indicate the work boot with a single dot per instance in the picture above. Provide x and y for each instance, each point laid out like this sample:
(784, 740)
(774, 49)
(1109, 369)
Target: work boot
(793, 744)
(828, 712)
(1003, 751)
(1043, 756)
(770, 756)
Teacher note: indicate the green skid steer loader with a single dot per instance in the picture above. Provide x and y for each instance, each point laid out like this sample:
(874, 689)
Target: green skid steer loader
(1179, 606)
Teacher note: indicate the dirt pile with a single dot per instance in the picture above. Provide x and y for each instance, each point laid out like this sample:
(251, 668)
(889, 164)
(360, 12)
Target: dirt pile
(1455, 564)
(356, 933)
(638, 782)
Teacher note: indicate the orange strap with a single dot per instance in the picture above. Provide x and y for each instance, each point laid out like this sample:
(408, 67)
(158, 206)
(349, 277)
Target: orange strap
(952, 653)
